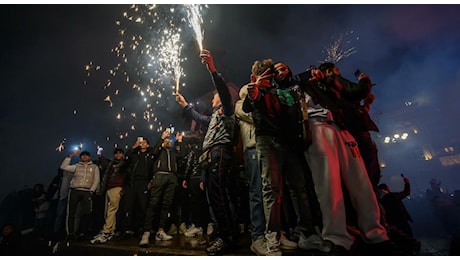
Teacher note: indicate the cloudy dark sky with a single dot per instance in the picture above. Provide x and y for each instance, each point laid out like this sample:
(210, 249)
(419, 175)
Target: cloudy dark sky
(411, 52)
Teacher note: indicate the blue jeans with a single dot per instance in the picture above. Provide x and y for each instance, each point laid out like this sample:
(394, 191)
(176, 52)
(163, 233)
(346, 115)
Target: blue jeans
(256, 206)
(271, 155)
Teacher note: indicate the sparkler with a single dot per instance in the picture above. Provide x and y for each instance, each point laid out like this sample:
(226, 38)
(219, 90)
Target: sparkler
(150, 59)
(196, 20)
(335, 51)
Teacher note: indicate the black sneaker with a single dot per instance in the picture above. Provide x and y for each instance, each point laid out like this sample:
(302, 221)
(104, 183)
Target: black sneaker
(218, 247)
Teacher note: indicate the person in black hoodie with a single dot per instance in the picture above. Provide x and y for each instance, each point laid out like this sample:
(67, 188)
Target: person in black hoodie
(164, 184)
(140, 158)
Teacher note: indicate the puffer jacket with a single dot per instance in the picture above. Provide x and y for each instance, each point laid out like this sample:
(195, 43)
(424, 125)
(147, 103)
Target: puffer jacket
(85, 176)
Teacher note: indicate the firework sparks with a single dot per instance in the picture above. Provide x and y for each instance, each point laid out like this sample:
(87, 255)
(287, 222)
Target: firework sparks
(107, 99)
(150, 59)
(339, 49)
(61, 147)
(196, 20)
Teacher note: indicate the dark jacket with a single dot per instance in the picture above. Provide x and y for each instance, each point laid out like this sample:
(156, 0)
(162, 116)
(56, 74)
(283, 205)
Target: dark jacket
(267, 118)
(114, 174)
(140, 164)
(165, 159)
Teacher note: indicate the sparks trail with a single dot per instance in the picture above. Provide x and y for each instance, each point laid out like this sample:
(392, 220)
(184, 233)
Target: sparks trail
(339, 49)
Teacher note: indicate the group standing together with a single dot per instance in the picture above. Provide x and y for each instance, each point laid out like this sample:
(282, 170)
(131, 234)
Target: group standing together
(305, 143)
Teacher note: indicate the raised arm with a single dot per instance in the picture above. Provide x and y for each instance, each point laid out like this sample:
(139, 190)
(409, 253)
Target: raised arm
(219, 83)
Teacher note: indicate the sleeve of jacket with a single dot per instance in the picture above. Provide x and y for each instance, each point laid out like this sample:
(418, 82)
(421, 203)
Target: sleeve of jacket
(224, 93)
(356, 91)
(193, 114)
(406, 192)
(96, 180)
(103, 162)
(248, 105)
(241, 114)
(157, 149)
(65, 165)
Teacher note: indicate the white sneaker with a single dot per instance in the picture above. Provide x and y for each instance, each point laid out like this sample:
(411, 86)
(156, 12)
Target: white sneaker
(314, 242)
(101, 238)
(145, 239)
(273, 244)
(162, 236)
(195, 231)
(259, 247)
(286, 243)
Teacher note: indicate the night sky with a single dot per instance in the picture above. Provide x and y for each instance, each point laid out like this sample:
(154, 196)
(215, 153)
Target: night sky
(50, 97)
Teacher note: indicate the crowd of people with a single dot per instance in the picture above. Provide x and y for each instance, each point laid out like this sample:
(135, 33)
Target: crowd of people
(302, 145)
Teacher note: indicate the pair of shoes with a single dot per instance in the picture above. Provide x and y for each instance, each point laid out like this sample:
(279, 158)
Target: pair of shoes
(258, 246)
(194, 231)
(314, 242)
(183, 228)
(101, 238)
(286, 243)
(145, 239)
(273, 244)
(162, 236)
(218, 247)
(172, 230)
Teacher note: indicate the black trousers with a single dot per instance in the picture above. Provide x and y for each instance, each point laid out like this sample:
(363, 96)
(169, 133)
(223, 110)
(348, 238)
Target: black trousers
(216, 183)
(161, 200)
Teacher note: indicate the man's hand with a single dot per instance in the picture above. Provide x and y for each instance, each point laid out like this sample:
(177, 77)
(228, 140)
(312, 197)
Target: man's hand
(72, 154)
(406, 180)
(181, 100)
(263, 80)
(207, 59)
(165, 134)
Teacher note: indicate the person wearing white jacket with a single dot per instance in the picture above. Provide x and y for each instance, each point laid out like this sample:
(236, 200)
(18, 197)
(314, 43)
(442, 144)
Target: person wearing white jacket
(83, 184)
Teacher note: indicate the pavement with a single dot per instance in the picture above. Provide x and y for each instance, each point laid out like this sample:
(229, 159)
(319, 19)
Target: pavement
(185, 246)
